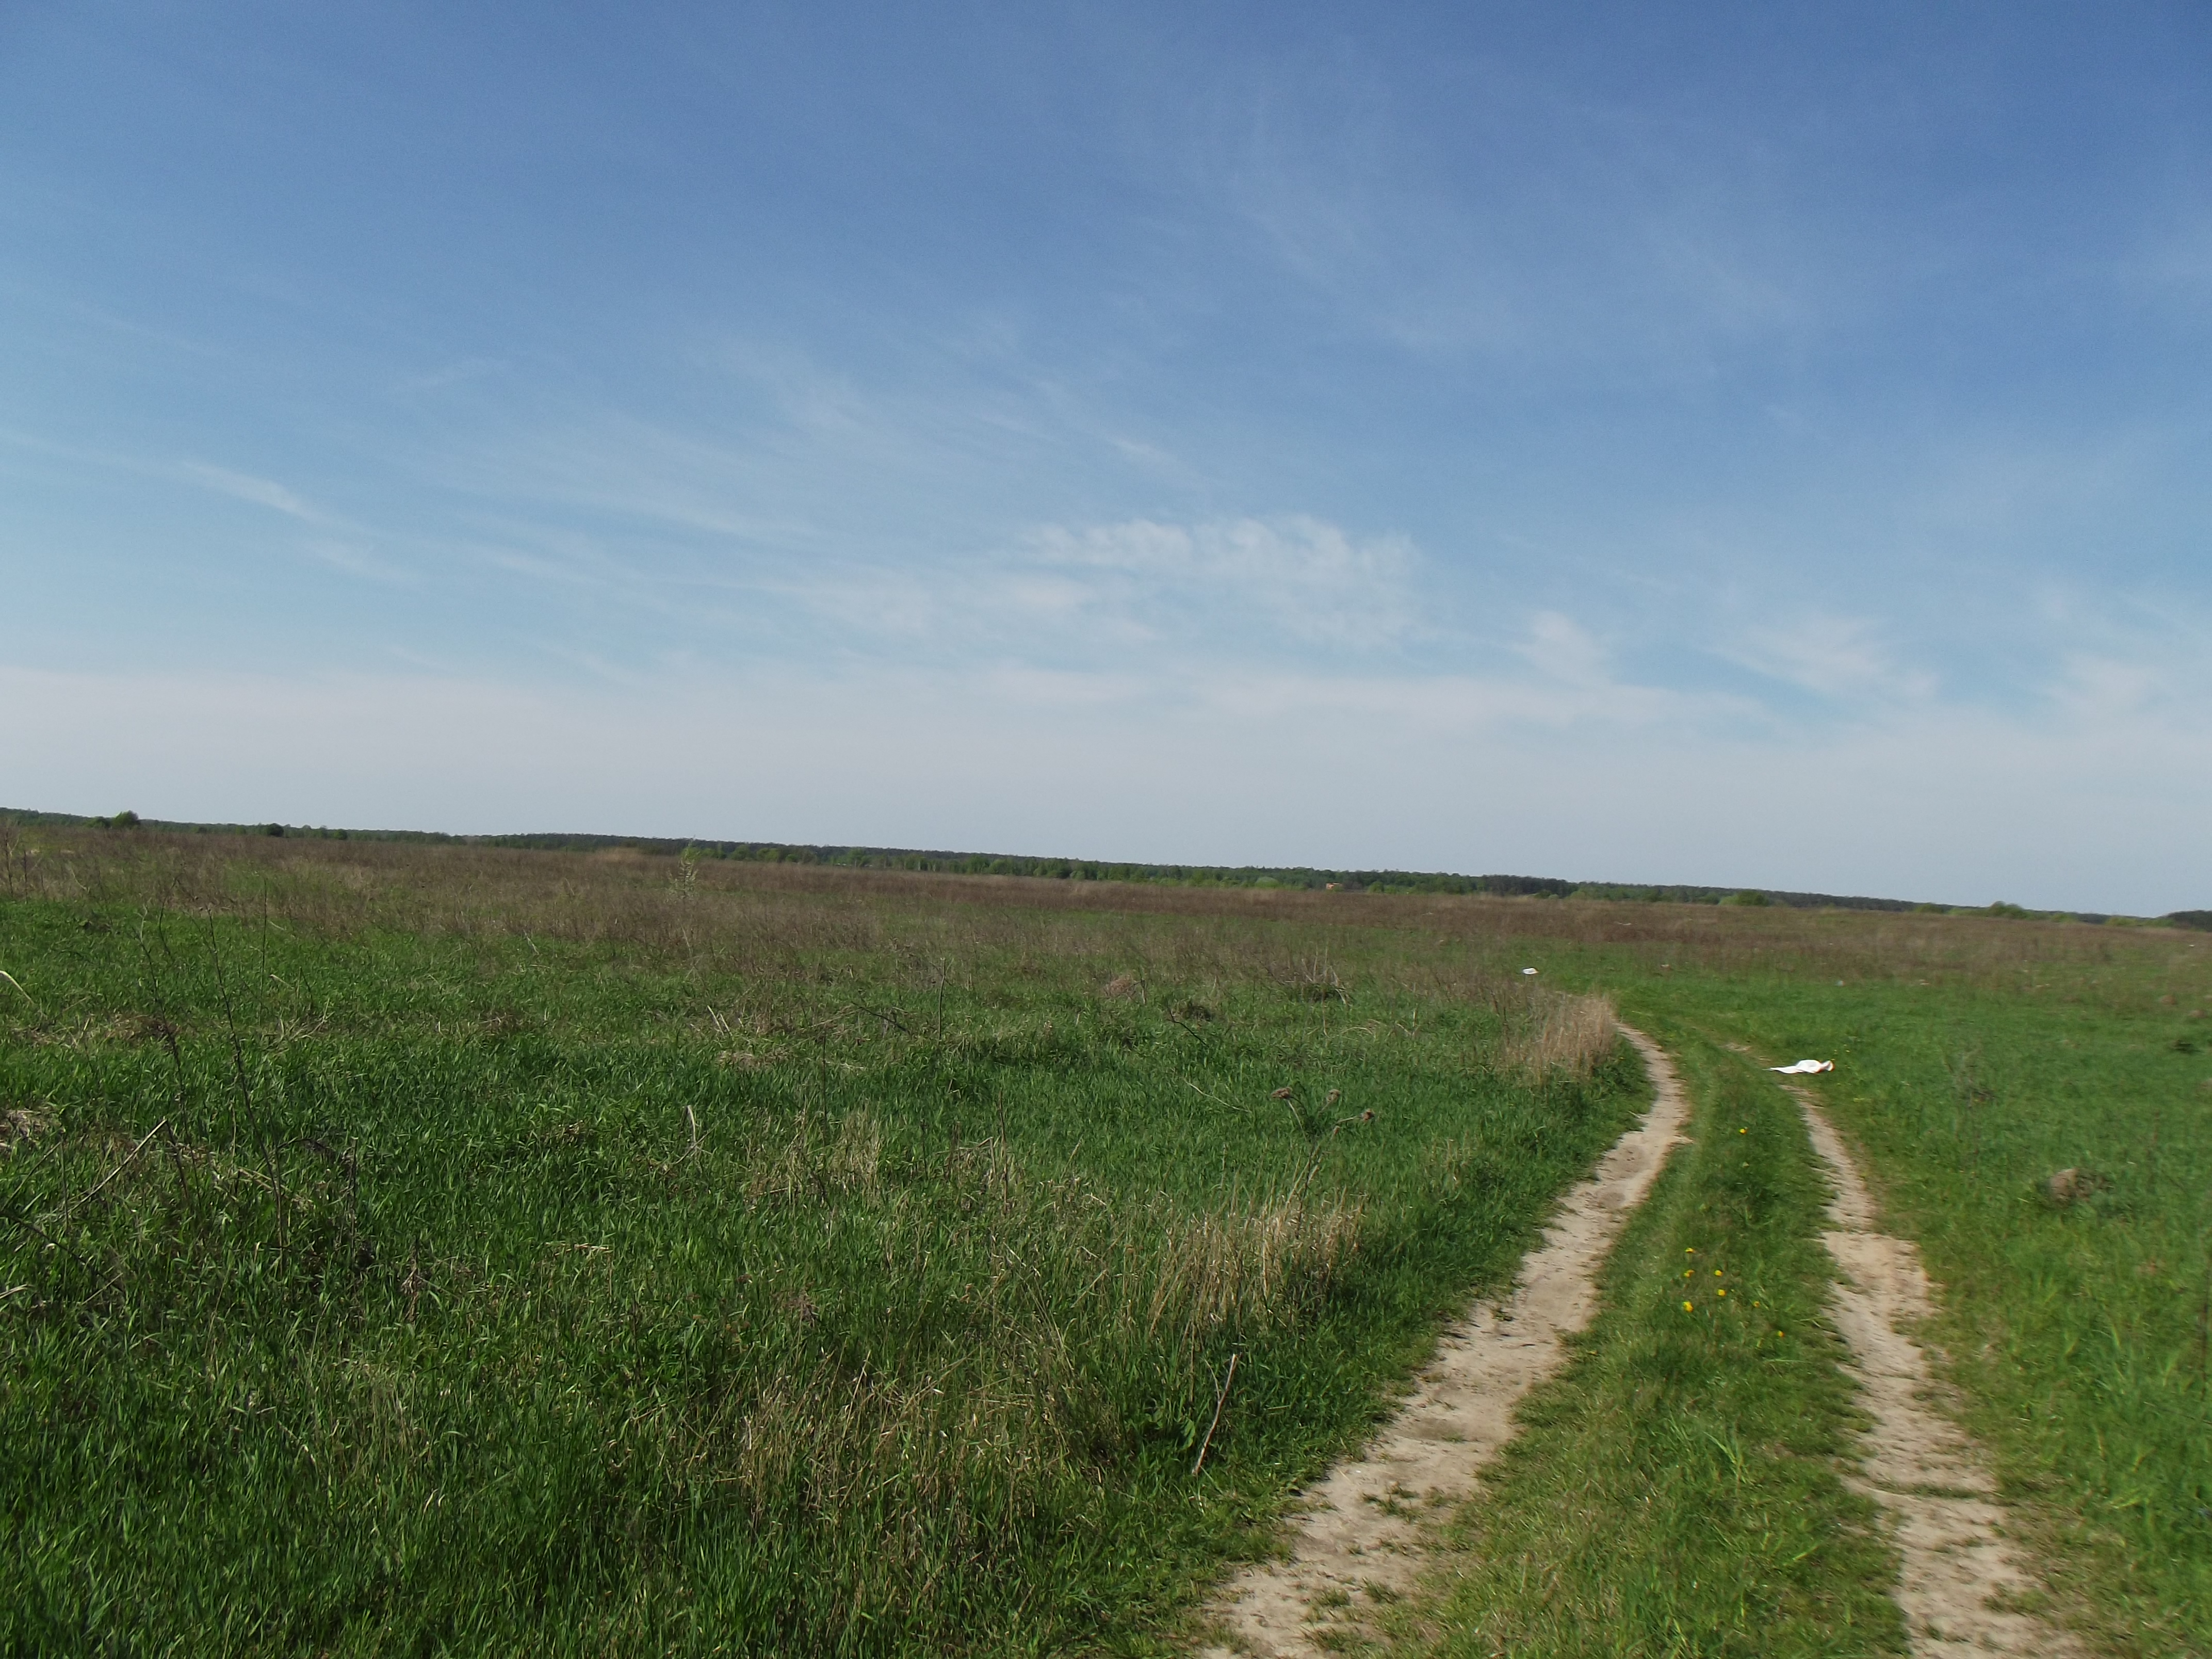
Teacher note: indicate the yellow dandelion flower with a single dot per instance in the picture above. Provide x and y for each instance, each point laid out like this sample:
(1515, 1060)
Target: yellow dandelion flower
(1688, 1307)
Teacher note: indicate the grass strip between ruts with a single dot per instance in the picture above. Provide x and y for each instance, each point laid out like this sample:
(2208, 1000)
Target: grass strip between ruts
(1677, 1489)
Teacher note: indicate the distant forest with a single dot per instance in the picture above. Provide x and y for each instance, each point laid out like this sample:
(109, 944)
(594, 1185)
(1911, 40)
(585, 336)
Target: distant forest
(1067, 869)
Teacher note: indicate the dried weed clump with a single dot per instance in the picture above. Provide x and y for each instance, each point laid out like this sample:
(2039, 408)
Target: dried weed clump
(1550, 1032)
(1022, 1402)
(821, 1159)
(1245, 1267)
(19, 1127)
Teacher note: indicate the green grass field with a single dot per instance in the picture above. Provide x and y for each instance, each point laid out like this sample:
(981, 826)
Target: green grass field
(624, 1264)
(410, 1250)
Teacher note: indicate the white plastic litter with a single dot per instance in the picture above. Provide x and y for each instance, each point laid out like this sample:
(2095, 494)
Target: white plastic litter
(1806, 1065)
(1528, 971)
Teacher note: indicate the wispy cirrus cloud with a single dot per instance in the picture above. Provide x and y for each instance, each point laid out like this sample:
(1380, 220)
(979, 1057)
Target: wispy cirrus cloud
(1596, 235)
(223, 481)
(340, 543)
(354, 560)
(1144, 591)
(1561, 648)
(1248, 588)
(1294, 576)
(1843, 659)
(246, 487)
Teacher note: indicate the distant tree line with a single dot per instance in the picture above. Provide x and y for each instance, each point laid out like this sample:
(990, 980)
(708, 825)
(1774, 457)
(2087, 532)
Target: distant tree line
(1057, 869)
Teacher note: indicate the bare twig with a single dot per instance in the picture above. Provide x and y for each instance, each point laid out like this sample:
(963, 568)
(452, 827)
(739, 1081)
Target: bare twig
(246, 1093)
(1220, 1400)
(237, 1050)
(18, 984)
(1216, 1099)
(887, 1017)
(133, 1158)
(1321, 1145)
(25, 1221)
(2204, 1323)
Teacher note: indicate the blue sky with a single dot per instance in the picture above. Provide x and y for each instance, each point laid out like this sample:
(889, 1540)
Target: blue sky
(1744, 444)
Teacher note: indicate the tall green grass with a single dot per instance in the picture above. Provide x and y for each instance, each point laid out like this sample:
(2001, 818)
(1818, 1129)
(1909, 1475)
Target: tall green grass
(795, 1273)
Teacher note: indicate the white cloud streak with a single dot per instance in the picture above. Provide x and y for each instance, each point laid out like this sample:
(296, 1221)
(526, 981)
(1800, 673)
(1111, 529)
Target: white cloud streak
(1296, 577)
(1840, 657)
(245, 487)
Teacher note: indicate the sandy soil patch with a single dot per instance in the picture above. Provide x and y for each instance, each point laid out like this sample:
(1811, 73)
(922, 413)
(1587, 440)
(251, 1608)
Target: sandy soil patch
(1359, 1543)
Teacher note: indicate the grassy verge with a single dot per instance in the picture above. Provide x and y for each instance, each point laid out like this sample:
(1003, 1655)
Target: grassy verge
(1676, 1489)
(615, 1267)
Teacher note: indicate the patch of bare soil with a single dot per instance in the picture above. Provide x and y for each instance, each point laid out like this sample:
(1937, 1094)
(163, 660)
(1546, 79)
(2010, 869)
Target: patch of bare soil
(1359, 1543)
(1959, 1572)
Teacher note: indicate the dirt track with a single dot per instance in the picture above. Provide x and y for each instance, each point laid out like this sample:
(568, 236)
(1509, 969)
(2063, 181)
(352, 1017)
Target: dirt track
(1919, 1465)
(1359, 1544)
(1361, 1533)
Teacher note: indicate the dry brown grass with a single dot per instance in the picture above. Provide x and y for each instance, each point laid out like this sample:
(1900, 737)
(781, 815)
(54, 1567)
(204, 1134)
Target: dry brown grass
(1555, 1031)
(1228, 1265)
(844, 1157)
(18, 1128)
